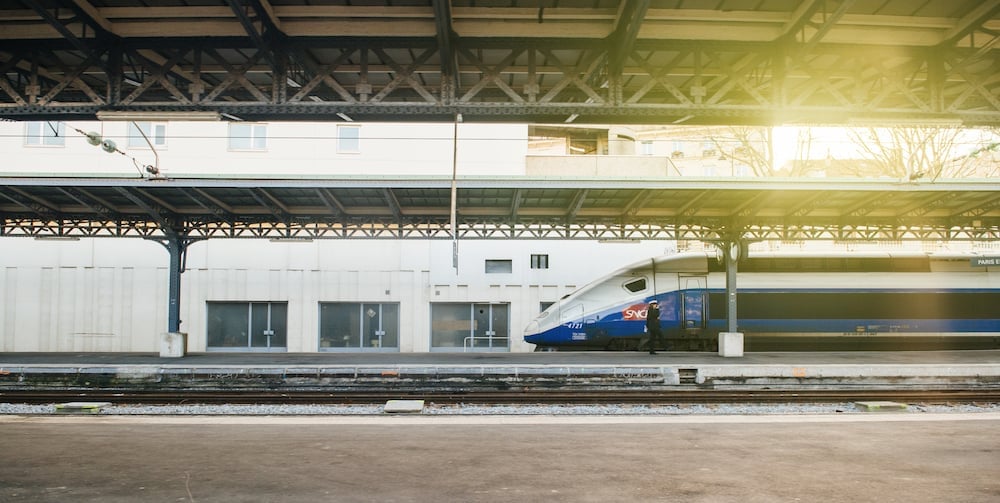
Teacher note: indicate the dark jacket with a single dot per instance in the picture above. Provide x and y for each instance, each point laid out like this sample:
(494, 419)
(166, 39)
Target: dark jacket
(653, 316)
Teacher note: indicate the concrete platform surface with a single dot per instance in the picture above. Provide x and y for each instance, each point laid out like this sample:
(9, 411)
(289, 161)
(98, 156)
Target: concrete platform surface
(881, 457)
(9, 359)
(450, 372)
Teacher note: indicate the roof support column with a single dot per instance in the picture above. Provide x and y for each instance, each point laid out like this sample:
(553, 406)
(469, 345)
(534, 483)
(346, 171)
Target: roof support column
(173, 342)
(177, 249)
(731, 341)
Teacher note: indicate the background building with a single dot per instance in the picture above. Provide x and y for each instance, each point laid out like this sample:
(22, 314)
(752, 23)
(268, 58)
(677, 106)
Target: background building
(333, 295)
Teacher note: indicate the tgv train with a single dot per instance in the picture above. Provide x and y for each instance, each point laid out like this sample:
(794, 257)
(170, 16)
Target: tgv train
(785, 302)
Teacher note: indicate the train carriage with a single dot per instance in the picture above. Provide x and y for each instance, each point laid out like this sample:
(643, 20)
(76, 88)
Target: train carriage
(786, 302)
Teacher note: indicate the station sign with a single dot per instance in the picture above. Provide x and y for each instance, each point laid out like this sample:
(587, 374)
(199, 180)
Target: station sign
(985, 261)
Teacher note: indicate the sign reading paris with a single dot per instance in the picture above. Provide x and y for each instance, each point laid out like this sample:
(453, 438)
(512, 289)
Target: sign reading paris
(985, 261)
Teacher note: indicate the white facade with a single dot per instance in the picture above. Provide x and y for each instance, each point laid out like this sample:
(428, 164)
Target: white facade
(111, 294)
(286, 149)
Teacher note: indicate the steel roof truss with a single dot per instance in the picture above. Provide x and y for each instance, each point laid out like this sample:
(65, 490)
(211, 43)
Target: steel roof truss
(446, 41)
(588, 63)
(971, 22)
(988, 203)
(211, 203)
(270, 203)
(95, 205)
(325, 75)
(630, 16)
(491, 76)
(42, 208)
(331, 202)
(54, 21)
(235, 75)
(152, 210)
(658, 75)
(404, 75)
(574, 207)
(393, 203)
(637, 202)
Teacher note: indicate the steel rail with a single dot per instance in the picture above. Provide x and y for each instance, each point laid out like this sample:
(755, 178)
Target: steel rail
(673, 396)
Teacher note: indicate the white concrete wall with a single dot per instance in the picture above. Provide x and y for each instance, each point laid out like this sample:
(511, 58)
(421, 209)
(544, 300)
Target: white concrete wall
(293, 149)
(111, 294)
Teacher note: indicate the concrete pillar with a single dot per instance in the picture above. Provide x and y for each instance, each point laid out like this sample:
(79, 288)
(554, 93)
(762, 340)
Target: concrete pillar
(731, 344)
(173, 344)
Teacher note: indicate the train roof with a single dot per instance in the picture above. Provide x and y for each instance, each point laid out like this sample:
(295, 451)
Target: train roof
(834, 261)
(791, 262)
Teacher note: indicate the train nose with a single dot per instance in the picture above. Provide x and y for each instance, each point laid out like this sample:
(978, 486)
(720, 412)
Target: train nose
(531, 329)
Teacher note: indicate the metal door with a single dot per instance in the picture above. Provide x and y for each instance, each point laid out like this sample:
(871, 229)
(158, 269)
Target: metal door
(267, 325)
(490, 326)
(379, 324)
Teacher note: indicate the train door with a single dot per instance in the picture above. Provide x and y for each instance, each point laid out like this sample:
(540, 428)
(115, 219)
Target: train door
(694, 308)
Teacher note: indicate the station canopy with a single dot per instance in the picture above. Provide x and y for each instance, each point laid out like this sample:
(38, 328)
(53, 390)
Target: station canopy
(728, 62)
(501, 208)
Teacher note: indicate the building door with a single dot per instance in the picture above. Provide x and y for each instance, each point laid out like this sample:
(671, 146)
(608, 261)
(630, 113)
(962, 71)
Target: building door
(470, 327)
(352, 326)
(247, 326)
(490, 330)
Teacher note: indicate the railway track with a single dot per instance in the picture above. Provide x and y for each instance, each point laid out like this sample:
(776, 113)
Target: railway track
(510, 397)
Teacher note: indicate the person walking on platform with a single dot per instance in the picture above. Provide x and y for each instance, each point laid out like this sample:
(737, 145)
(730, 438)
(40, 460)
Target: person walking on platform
(652, 335)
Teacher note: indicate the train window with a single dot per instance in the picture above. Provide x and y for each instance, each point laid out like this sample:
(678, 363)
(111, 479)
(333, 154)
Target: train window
(635, 285)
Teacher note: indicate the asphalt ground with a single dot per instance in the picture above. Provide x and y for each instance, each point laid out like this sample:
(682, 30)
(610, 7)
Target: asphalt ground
(883, 457)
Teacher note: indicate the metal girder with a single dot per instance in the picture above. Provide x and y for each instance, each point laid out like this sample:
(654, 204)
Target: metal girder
(501, 209)
(446, 41)
(622, 39)
(367, 229)
(392, 203)
(718, 82)
(971, 22)
(271, 203)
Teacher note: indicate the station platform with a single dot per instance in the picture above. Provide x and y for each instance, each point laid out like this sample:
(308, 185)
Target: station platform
(459, 372)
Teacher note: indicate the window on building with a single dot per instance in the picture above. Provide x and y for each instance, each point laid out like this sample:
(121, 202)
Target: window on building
(646, 147)
(354, 326)
(45, 134)
(542, 306)
(156, 132)
(678, 149)
(470, 327)
(539, 261)
(244, 136)
(499, 266)
(349, 139)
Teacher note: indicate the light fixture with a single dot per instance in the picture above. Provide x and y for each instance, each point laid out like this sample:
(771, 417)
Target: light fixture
(159, 116)
(57, 238)
(291, 239)
(904, 122)
(618, 241)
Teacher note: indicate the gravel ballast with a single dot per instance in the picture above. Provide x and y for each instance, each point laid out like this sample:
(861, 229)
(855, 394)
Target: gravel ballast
(469, 409)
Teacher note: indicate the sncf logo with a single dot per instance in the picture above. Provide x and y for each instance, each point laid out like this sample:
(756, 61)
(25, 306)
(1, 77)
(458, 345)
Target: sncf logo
(635, 312)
